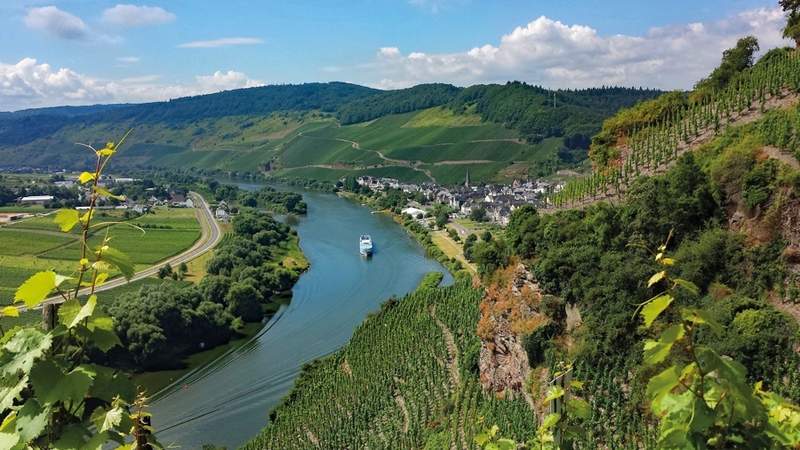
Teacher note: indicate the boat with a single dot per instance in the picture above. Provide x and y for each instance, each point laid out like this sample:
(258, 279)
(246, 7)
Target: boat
(365, 245)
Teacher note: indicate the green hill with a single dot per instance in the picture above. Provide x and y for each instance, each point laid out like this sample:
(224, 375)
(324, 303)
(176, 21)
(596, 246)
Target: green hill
(428, 132)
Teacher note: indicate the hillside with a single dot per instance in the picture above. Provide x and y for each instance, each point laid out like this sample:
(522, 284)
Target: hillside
(724, 212)
(425, 133)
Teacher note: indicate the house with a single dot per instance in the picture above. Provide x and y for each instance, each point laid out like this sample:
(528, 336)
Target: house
(414, 212)
(36, 199)
(222, 215)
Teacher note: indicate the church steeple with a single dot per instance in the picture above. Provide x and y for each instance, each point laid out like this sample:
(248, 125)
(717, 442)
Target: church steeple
(466, 180)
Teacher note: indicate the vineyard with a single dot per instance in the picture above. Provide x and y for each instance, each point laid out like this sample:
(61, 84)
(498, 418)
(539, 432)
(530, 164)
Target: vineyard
(406, 380)
(650, 149)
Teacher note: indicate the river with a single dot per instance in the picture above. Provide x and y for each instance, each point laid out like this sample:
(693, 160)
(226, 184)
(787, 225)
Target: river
(227, 402)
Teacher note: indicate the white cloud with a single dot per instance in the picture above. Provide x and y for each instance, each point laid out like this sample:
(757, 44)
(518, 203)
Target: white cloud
(223, 42)
(56, 22)
(137, 16)
(222, 81)
(553, 54)
(29, 84)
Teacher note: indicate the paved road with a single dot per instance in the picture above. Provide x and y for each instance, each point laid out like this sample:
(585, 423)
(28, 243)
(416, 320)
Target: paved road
(210, 237)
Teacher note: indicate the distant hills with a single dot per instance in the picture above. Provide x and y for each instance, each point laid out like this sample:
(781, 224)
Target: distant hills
(315, 130)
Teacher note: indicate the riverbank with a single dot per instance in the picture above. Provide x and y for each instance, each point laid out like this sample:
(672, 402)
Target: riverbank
(331, 299)
(438, 245)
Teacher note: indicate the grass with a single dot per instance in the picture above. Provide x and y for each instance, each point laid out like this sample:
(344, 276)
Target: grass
(21, 242)
(25, 251)
(452, 249)
(442, 117)
(197, 267)
(292, 256)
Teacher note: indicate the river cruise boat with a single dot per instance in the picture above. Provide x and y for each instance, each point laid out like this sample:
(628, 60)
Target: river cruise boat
(365, 245)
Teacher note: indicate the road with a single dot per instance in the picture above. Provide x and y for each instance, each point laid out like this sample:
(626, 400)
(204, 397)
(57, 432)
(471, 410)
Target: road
(211, 235)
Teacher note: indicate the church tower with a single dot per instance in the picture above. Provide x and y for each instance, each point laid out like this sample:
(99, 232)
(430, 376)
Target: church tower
(466, 180)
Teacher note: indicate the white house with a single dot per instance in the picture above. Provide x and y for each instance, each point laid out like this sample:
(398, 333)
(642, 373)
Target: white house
(36, 199)
(414, 212)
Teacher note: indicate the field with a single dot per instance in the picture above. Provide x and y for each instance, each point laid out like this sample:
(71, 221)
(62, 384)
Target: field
(428, 145)
(34, 245)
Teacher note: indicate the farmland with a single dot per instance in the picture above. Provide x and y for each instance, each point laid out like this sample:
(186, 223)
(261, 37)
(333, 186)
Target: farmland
(36, 244)
(429, 145)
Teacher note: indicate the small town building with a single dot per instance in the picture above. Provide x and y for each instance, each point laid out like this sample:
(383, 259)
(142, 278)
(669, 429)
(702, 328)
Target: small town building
(36, 199)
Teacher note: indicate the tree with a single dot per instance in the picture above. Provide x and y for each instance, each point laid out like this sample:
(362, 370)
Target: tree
(734, 60)
(478, 214)
(165, 271)
(792, 29)
(244, 301)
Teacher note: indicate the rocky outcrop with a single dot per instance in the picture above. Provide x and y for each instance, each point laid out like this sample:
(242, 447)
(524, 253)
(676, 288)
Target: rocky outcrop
(508, 311)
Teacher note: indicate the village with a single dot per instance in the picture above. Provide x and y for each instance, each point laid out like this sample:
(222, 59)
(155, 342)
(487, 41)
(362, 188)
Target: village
(498, 201)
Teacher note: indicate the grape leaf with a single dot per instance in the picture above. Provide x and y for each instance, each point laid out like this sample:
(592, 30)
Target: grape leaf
(657, 351)
(52, 384)
(66, 219)
(32, 420)
(654, 308)
(662, 384)
(656, 278)
(10, 311)
(85, 177)
(22, 349)
(120, 260)
(71, 313)
(36, 288)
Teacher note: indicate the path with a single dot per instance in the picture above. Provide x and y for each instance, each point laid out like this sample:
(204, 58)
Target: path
(452, 350)
(782, 156)
(210, 237)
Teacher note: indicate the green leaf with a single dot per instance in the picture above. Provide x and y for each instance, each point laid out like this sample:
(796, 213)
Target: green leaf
(656, 278)
(481, 439)
(10, 390)
(109, 384)
(53, 385)
(27, 345)
(657, 351)
(9, 440)
(73, 438)
(579, 408)
(66, 219)
(71, 313)
(36, 288)
(702, 416)
(549, 421)
(701, 317)
(506, 444)
(32, 419)
(85, 177)
(120, 260)
(9, 311)
(553, 393)
(102, 332)
(688, 285)
(654, 308)
(661, 385)
(103, 192)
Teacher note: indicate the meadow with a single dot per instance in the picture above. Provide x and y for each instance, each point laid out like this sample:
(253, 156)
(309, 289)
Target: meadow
(36, 244)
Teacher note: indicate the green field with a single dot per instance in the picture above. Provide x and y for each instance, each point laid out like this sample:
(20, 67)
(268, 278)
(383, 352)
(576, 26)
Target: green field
(28, 248)
(429, 145)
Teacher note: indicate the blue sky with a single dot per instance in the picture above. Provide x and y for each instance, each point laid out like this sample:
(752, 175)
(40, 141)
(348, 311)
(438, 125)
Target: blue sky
(90, 51)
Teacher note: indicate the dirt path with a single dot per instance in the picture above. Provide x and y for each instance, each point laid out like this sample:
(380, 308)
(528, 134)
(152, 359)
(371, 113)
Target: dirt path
(452, 350)
(401, 403)
(782, 156)
(312, 437)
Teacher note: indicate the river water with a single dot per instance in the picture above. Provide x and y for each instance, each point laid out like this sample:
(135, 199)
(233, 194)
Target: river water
(227, 402)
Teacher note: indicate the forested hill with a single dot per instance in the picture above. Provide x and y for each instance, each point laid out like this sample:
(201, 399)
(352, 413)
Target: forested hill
(326, 131)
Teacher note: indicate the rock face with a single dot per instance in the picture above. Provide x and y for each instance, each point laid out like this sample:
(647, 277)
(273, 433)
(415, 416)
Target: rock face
(508, 310)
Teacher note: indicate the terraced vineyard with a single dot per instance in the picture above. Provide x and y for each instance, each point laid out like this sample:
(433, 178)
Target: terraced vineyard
(429, 145)
(650, 149)
(405, 380)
